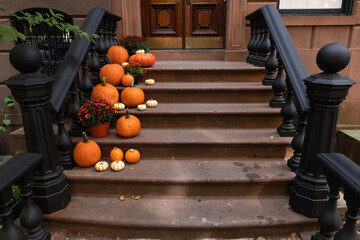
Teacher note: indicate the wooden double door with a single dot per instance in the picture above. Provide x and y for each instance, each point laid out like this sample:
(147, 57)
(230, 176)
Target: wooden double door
(184, 24)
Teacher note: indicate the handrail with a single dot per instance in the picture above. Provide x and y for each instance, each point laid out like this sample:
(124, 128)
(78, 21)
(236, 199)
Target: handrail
(293, 65)
(75, 55)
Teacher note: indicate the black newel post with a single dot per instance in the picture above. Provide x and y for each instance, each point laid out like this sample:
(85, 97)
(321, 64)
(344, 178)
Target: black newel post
(326, 91)
(32, 91)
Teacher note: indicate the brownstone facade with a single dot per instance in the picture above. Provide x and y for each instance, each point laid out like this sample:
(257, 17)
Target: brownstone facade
(309, 34)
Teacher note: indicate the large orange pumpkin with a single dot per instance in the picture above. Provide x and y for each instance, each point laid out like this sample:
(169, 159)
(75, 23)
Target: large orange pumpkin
(86, 153)
(132, 96)
(106, 92)
(128, 125)
(126, 80)
(112, 72)
(143, 59)
(118, 54)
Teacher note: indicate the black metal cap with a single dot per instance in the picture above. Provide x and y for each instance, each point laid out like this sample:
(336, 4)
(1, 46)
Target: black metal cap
(333, 58)
(25, 58)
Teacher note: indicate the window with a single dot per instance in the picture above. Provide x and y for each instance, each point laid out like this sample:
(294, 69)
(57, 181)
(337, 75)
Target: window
(315, 7)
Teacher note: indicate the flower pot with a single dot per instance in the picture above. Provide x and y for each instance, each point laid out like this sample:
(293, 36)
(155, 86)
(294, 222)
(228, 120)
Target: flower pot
(99, 131)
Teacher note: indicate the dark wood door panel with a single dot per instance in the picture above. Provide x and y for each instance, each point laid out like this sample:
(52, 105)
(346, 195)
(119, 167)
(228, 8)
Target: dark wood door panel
(204, 19)
(164, 19)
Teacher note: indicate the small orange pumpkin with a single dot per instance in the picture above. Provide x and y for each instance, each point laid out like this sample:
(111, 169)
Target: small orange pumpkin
(86, 153)
(116, 154)
(132, 156)
(126, 80)
(142, 58)
(106, 92)
(132, 96)
(128, 125)
(112, 72)
(118, 54)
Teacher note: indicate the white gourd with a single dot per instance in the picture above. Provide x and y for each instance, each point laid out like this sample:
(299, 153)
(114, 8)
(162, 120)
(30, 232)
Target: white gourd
(117, 166)
(151, 103)
(140, 51)
(101, 166)
(124, 64)
(141, 107)
(119, 106)
(149, 81)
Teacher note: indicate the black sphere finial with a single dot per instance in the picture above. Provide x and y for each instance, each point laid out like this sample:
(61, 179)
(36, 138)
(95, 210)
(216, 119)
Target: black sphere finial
(333, 58)
(25, 58)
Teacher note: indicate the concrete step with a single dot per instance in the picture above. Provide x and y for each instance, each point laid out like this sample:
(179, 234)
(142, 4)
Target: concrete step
(197, 143)
(207, 92)
(179, 217)
(205, 71)
(184, 54)
(207, 115)
(200, 177)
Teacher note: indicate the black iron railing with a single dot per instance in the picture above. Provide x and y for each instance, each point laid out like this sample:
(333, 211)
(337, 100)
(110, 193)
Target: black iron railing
(18, 170)
(37, 94)
(310, 104)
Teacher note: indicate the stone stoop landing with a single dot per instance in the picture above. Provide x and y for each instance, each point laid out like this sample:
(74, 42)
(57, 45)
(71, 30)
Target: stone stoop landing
(212, 164)
(190, 54)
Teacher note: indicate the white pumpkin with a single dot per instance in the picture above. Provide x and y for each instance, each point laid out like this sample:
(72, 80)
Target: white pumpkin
(141, 107)
(119, 106)
(124, 64)
(101, 166)
(141, 51)
(117, 165)
(149, 81)
(151, 103)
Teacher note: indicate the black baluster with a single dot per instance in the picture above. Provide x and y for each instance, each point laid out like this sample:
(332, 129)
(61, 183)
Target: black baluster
(63, 141)
(329, 218)
(352, 215)
(100, 47)
(255, 43)
(251, 42)
(106, 26)
(86, 86)
(9, 230)
(94, 66)
(288, 112)
(298, 142)
(278, 87)
(258, 50)
(271, 62)
(31, 215)
(113, 33)
(265, 48)
(76, 128)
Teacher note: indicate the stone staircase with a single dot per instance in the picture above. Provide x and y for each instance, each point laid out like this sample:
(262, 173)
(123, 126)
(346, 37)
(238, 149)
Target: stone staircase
(212, 164)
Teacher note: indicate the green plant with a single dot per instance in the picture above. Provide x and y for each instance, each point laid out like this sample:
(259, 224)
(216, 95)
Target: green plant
(16, 194)
(134, 70)
(133, 43)
(52, 19)
(9, 101)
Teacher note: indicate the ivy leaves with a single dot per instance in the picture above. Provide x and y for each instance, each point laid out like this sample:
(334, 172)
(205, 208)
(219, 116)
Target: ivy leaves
(51, 18)
(9, 102)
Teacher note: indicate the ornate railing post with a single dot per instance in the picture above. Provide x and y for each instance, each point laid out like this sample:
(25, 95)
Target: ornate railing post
(288, 112)
(326, 91)
(271, 63)
(278, 86)
(32, 91)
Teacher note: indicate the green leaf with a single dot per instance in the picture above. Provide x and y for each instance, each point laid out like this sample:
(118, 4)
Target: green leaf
(6, 122)
(8, 99)
(10, 104)
(51, 12)
(2, 129)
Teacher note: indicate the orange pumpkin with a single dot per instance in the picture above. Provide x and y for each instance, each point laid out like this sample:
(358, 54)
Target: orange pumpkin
(106, 92)
(132, 156)
(128, 125)
(142, 59)
(132, 96)
(116, 154)
(112, 72)
(118, 54)
(126, 80)
(86, 153)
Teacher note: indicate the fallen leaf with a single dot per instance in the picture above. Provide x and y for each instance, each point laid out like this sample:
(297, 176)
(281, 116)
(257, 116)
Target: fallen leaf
(259, 84)
(260, 238)
(293, 235)
(181, 158)
(205, 162)
(266, 166)
(122, 198)
(117, 238)
(177, 196)
(132, 168)
(271, 137)
(74, 234)
(229, 204)
(137, 197)
(114, 201)
(172, 157)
